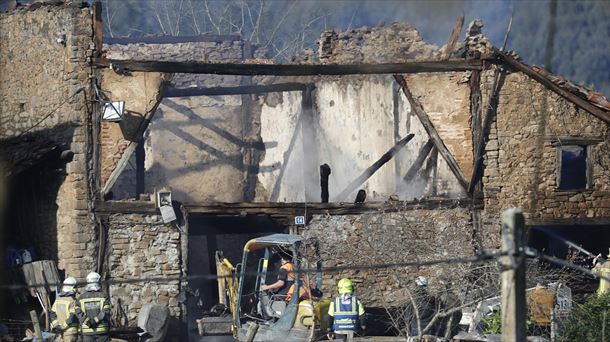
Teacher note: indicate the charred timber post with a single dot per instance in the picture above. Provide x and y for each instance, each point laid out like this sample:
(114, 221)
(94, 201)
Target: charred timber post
(324, 174)
(373, 168)
(419, 161)
(458, 64)
(492, 105)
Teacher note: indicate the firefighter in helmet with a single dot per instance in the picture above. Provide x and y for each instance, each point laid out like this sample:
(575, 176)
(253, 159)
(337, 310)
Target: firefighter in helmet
(63, 312)
(345, 313)
(93, 311)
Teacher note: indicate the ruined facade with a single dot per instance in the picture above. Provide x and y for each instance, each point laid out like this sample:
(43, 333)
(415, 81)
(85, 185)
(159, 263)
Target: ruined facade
(262, 148)
(45, 100)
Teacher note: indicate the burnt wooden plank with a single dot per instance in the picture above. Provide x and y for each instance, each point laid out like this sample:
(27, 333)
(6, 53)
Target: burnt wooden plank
(455, 35)
(475, 122)
(238, 90)
(434, 136)
(366, 174)
(492, 105)
(419, 161)
(545, 81)
(324, 174)
(461, 64)
(283, 209)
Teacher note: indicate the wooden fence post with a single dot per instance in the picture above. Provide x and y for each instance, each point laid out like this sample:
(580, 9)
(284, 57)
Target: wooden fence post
(36, 324)
(513, 276)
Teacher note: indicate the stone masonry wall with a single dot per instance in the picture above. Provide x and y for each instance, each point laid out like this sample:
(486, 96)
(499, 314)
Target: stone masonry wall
(40, 80)
(414, 235)
(521, 162)
(141, 246)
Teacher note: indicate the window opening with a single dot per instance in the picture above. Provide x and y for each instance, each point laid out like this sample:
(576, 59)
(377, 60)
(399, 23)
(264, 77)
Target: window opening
(573, 174)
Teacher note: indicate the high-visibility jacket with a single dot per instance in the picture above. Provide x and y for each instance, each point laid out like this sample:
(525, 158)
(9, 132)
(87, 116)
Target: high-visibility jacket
(346, 315)
(604, 271)
(305, 290)
(94, 305)
(63, 314)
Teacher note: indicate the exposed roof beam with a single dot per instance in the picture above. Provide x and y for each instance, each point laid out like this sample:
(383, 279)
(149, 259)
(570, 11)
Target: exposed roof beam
(288, 208)
(460, 64)
(544, 80)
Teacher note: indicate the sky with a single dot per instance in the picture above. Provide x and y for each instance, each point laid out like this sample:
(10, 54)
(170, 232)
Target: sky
(579, 48)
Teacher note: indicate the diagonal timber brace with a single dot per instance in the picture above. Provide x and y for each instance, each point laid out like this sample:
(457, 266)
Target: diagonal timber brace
(432, 133)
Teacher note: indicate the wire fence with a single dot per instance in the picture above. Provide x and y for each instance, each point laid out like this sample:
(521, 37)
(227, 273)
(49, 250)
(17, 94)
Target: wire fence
(484, 256)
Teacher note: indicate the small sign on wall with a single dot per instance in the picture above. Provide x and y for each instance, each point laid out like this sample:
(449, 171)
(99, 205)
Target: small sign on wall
(299, 220)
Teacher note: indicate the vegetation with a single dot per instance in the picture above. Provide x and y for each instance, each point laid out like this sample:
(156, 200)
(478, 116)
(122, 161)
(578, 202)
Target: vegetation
(590, 321)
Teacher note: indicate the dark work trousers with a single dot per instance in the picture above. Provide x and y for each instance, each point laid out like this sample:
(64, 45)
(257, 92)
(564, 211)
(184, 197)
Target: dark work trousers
(96, 338)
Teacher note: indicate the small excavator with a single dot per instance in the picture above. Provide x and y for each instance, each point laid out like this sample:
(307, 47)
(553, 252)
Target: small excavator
(258, 315)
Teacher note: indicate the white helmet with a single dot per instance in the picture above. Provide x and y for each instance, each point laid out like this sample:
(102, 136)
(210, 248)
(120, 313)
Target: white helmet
(93, 277)
(421, 281)
(69, 285)
(93, 282)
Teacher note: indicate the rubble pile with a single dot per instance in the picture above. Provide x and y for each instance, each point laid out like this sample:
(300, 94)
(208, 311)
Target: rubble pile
(475, 42)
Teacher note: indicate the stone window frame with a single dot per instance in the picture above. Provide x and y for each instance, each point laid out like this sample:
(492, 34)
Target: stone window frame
(587, 143)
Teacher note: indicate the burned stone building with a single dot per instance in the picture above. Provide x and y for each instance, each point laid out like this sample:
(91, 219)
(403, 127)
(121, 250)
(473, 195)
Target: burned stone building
(239, 143)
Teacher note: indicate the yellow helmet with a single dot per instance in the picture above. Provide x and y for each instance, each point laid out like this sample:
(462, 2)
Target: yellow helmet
(345, 286)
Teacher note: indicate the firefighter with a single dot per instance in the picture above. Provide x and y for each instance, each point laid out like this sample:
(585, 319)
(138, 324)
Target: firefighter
(93, 311)
(63, 312)
(602, 268)
(345, 313)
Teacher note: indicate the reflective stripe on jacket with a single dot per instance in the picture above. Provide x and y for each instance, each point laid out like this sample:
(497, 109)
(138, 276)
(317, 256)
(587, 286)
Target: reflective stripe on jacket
(96, 306)
(62, 309)
(346, 315)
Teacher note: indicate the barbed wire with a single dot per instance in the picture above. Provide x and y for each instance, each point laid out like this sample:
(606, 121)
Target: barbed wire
(481, 257)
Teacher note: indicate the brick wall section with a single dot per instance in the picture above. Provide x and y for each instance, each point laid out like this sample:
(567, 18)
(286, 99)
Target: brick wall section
(141, 246)
(40, 75)
(416, 235)
(140, 91)
(521, 163)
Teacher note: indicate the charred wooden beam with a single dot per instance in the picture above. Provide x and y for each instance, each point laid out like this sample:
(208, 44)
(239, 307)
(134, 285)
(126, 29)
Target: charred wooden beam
(492, 105)
(239, 90)
(419, 161)
(292, 69)
(283, 209)
(324, 174)
(366, 174)
(549, 84)
(455, 35)
(434, 136)
(475, 123)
